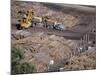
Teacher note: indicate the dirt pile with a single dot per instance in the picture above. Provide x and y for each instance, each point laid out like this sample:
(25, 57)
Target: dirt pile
(85, 61)
(40, 48)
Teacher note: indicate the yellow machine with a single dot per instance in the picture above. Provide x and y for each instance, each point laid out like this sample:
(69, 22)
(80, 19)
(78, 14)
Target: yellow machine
(26, 20)
(29, 15)
(25, 23)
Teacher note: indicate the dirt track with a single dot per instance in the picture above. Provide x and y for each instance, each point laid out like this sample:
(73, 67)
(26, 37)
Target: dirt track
(66, 33)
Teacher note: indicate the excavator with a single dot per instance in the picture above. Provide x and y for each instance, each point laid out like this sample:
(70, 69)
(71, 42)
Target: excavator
(26, 20)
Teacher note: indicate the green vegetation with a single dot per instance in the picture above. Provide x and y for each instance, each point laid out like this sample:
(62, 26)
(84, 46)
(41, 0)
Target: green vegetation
(22, 68)
(17, 66)
(16, 54)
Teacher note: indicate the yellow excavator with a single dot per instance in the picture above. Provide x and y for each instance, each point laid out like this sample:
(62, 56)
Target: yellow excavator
(26, 20)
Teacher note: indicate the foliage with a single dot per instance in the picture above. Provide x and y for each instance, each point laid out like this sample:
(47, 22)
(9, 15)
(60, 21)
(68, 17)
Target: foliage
(17, 66)
(16, 54)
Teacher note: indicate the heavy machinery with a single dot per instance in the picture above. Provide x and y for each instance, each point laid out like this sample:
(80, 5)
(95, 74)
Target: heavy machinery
(26, 20)
(51, 24)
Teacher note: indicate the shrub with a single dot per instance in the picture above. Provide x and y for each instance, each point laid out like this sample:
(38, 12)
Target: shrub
(17, 66)
(16, 54)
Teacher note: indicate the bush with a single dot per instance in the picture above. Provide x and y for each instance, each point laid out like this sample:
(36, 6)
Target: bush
(16, 54)
(23, 68)
(17, 66)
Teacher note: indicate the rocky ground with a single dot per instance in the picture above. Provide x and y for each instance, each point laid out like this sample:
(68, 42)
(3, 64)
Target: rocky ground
(40, 48)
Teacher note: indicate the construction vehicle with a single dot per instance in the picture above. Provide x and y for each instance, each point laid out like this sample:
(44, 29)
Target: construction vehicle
(51, 24)
(26, 20)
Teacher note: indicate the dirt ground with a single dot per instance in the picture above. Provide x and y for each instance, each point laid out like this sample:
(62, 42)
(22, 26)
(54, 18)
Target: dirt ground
(41, 48)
